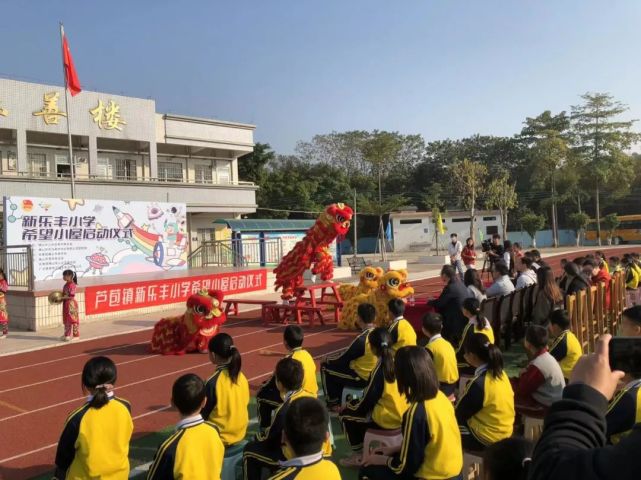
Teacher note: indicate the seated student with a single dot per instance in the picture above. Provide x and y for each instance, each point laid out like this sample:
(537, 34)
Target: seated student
(542, 382)
(476, 324)
(631, 322)
(565, 347)
(195, 449)
(599, 256)
(527, 276)
(353, 366)
(95, 439)
(304, 434)
(268, 397)
(227, 391)
(402, 332)
(508, 459)
(442, 353)
(614, 265)
(266, 451)
(381, 407)
(431, 445)
(538, 261)
(502, 283)
(548, 296)
(624, 411)
(631, 276)
(485, 411)
(597, 274)
(636, 262)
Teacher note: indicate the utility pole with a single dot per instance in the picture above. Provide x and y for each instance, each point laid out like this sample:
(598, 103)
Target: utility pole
(355, 227)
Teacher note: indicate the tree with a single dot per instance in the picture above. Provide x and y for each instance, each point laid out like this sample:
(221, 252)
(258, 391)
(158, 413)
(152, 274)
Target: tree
(546, 137)
(601, 140)
(469, 177)
(610, 222)
(434, 202)
(532, 223)
(578, 222)
(252, 167)
(501, 194)
(380, 151)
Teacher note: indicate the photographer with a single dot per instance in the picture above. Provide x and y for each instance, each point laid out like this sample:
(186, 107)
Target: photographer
(496, 251)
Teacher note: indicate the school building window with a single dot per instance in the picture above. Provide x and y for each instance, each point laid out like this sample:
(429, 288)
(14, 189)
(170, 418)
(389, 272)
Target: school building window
(170, 172)
(38, 164)
(203, 173)
(491, 230)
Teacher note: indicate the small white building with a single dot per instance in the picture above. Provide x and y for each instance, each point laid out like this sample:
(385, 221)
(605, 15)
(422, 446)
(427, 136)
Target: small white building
(414, 231)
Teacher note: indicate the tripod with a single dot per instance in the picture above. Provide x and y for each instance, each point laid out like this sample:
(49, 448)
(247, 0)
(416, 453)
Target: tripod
(487, 267)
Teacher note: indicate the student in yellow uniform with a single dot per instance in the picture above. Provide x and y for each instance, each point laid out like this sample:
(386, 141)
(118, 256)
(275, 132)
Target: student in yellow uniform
(485, 412)
(431, 445)
(268, 397)
(630, 270)
(382, 406)
(305, 433)
(266, 450)
(402, 332)
(195, 449)
(95, 440)
(227, 391)
(565, 347)
(624, 412)
(442, 353)
(476, 323)
(352, 367)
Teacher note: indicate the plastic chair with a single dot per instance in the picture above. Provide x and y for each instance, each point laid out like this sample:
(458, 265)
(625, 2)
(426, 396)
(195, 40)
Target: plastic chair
(472, 465)
(233, 461)
(380, 438)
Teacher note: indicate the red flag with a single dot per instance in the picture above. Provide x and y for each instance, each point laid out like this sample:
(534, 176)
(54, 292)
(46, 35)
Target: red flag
(71, 76)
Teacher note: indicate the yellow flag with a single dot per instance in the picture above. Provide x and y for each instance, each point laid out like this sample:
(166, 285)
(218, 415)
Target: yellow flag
(439, 225)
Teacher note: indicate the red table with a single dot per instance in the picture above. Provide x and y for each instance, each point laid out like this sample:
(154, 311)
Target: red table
(414, 313)
(307, 301)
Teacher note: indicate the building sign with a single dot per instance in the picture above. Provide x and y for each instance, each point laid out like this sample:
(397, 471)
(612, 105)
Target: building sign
(107, 117)
(50, 112)
(127, 296)
(97, 237)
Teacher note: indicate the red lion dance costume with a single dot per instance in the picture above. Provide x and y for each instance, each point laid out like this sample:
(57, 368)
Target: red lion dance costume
(313, 250)
(191, 331)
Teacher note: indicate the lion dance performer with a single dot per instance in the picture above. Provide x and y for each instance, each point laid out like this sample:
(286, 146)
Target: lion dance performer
(313, 250)
(191, 331)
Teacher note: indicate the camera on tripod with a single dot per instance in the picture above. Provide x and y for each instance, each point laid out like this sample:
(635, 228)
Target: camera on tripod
(486, 245)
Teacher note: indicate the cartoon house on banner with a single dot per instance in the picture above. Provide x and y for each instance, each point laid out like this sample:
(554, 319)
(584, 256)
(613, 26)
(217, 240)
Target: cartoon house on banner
(97, 237)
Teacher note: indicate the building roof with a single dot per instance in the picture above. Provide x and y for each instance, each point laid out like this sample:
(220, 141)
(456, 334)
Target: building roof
(267, 225)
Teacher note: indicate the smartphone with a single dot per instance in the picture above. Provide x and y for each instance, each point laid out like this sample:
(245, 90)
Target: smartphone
(625, 355)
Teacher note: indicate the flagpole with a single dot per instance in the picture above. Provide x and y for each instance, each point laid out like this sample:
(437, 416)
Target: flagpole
(72, 164)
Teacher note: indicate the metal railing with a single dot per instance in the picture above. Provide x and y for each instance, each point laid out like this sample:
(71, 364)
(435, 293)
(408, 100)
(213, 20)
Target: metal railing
(237, 253)
(61, 177)
(17, 263)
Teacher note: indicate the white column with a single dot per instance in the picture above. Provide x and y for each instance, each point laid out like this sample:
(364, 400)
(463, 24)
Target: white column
(21, 147)
(153, 160)
(93, 155)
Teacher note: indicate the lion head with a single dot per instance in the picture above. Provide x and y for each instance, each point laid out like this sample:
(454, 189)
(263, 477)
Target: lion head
(394, 284)
(204, 311)
(338, 216)
(369, 277)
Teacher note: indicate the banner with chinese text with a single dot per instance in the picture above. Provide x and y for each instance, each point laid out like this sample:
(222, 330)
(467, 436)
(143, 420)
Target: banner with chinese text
(97, 237)
(127, 296)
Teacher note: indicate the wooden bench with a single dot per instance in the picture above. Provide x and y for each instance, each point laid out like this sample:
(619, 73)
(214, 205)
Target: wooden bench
(357, 264)
(281, 313)
(232, 304)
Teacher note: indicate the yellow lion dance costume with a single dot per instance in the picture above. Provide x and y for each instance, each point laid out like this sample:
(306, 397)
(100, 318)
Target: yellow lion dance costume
(368, 281)
(393, 284)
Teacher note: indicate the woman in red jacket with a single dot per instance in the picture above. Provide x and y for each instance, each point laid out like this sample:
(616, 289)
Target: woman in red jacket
(468, 255)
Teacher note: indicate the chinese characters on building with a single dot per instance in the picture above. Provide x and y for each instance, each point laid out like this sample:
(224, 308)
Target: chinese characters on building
(109, 298)
(50, 112)
(46, 228)
(107, 117)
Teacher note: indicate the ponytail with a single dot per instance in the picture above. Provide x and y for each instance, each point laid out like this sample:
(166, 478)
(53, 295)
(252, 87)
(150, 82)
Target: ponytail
(478, 344)
(381, 343)
(74, 277)
(223, 346)
(99, 375)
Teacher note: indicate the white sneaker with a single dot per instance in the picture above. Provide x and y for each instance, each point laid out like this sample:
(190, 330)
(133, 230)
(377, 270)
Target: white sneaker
(3, 336)
(75, 339)
(65, 339)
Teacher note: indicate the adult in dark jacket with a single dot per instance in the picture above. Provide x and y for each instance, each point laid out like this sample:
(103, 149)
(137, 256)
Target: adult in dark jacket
(575, 280)
(449, 304)
(573, 444)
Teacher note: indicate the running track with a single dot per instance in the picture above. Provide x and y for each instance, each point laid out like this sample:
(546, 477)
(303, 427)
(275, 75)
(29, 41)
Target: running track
(38, 389)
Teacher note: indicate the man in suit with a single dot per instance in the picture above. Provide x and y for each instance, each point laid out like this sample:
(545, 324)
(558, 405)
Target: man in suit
(449, 303)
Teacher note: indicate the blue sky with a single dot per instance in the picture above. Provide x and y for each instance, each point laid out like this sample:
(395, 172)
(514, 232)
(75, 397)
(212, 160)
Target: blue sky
(297, 68)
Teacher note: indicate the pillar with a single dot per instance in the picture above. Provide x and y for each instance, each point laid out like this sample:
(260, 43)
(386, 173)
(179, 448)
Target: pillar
(21, 150)
(153, 160)
(92, 147)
